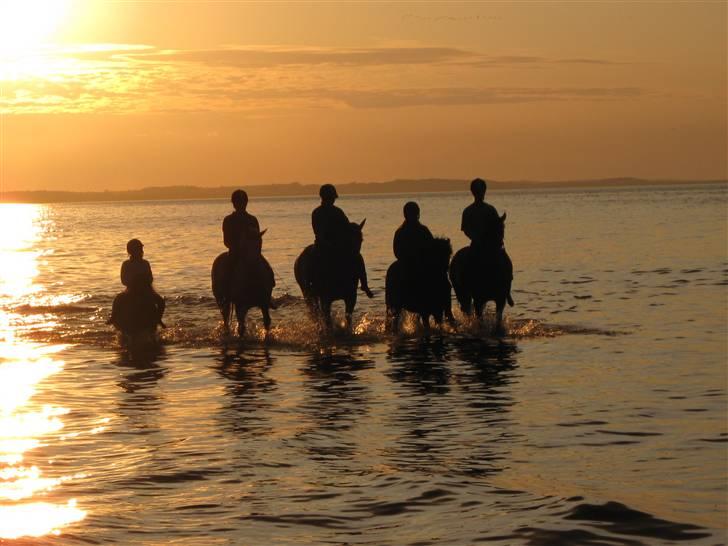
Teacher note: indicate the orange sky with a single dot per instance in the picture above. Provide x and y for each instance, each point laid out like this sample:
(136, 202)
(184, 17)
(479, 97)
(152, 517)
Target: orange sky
(115, 95)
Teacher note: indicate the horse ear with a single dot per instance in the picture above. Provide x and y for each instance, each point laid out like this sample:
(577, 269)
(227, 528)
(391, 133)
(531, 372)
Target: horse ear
(503, 217)
(361, 226)
(263, 232)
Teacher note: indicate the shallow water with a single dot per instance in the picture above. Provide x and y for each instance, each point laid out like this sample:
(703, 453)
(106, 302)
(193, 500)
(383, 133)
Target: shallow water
(599, 419)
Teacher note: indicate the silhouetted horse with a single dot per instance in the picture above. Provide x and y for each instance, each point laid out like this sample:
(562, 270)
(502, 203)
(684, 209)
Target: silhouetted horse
(325, 277)
(251, 284)
(136, 314)
(483, 276)
(425, 291)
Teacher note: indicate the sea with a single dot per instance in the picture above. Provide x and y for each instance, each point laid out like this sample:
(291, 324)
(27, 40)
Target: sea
(598, 419)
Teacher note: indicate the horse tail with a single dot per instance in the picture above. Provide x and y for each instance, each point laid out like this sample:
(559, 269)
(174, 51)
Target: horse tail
(391, 285)
(509, 299)
(219, 279)
(457, 278)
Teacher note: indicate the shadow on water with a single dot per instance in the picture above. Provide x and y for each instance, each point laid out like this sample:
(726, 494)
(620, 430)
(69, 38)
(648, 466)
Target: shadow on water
(246, 371)
(421, 364)
(455, 396)
(141, 369)
(334, 399)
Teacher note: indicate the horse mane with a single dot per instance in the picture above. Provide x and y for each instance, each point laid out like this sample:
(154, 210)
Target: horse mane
(441, 245)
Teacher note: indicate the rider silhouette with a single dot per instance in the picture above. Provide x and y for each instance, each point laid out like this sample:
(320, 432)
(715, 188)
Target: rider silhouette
(330, 227)
(479, 218)
(480, 223)
(136, 275)
(241, 233)
(411, 240)
(239, 227)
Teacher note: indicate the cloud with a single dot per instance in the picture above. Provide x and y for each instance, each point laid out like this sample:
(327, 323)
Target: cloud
(270, 57)
(402, 98)
(399, 98)
(121, 78)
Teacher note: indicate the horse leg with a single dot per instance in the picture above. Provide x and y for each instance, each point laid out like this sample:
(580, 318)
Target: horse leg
(499, 329)
(438, 316)
(465, 302)
(225, 310)
(240, 313)
(425, 317)
(393, 316)
(479, 308)
(312, 305)
(266, 319)
(448, 313)
(349, 311)
(325, 307)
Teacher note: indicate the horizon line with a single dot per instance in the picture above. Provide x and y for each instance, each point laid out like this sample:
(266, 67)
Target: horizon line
(296, 189)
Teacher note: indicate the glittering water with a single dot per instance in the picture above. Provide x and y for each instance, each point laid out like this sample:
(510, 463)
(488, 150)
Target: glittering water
(599, 419)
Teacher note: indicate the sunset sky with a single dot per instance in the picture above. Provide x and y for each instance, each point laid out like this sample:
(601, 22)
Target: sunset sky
(108, 94)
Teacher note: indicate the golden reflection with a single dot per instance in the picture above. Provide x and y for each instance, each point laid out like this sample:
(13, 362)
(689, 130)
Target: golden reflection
(23, 366)
(19, 229)
(37, 518)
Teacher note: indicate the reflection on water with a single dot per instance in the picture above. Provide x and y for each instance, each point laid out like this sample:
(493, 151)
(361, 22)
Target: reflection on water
(246, 383)
(544, 437)
(23, 367)
(472, 441)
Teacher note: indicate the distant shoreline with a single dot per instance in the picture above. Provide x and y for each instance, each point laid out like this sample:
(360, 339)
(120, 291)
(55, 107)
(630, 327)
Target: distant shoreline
(436, 185)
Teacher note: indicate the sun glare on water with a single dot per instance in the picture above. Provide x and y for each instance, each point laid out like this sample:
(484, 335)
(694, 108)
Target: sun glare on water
(24, 423)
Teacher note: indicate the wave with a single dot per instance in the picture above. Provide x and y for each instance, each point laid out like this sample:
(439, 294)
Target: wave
(61, 309)
(292, 329)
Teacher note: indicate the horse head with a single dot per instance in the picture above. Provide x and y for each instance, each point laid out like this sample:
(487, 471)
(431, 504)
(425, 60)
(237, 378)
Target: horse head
(501, 228)
(357, 237)
(494, 238)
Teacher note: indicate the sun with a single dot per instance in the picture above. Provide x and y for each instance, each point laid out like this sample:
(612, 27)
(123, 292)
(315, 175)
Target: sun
(27, 24)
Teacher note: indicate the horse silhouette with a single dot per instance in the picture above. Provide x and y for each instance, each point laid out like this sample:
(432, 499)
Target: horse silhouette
(243, 285)
(136, 313)
(425, 291)
(483, 275)
(325, 277)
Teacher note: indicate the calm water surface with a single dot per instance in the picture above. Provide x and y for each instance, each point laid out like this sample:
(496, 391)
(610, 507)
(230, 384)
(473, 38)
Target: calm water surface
(600, 419)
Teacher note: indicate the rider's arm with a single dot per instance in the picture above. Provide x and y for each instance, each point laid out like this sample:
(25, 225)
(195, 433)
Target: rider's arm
(227, 232)
(148, 271)
(397, 244)
(125, 273)
(316, 224)
(344, 217)
(255, 223)
(466, 225)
